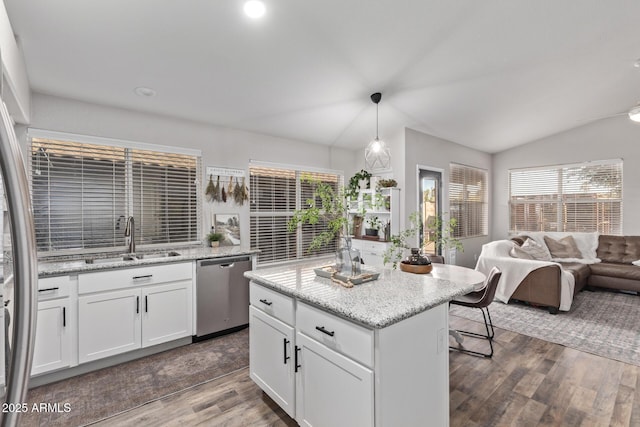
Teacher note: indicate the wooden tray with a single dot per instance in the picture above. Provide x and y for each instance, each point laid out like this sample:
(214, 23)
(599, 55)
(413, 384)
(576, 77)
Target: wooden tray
(329, 272)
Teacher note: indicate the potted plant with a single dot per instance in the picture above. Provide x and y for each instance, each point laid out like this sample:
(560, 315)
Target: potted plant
(214, 239)
(440, 232)
(327, 205)
(354, 183)
(374, 226)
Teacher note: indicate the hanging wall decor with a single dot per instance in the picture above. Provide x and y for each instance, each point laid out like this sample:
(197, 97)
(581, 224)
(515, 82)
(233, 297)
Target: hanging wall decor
(226, 185)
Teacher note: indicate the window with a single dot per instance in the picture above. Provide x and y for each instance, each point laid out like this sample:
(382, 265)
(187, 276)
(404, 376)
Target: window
(579, 197)
(276, 192)
(83, 193)
(468, 202)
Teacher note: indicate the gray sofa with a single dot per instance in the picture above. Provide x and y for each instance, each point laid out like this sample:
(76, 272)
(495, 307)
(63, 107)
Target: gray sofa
(542, 286)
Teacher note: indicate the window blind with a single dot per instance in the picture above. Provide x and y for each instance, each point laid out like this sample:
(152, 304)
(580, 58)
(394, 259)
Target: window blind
(83, 192)
(580, 198)
(275, 194)
(468, 201)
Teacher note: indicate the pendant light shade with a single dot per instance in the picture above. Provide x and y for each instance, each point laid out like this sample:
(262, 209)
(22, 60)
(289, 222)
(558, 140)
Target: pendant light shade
(377, 154)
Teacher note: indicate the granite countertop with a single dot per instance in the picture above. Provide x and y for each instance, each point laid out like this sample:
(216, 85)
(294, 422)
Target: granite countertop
(57, 267)
(395, 296)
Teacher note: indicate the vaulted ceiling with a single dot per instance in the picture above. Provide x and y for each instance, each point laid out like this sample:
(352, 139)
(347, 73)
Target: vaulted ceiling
(488, 74)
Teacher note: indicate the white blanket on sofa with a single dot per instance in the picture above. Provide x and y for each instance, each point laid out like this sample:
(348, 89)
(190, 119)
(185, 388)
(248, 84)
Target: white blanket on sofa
(514, 270)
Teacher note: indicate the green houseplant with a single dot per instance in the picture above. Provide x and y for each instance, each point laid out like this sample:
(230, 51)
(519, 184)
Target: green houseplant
(214, 239)
(439, 232)
(328, 206)
(374, 224)
(354, 183)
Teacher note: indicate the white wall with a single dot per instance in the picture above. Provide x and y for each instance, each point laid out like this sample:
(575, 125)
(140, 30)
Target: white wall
(612, 138)
(432, 152)
(220, 146)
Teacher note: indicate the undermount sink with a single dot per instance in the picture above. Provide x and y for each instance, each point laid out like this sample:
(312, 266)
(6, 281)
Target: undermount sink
(109, 260)
(158, 255)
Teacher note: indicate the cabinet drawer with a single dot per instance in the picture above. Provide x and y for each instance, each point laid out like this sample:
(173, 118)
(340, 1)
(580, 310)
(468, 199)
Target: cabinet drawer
(128, 277)
(271, 302)
(367, 247)
(54, 287)
(341, 335)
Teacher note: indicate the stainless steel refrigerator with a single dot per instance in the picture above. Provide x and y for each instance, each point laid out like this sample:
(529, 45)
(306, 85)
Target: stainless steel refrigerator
(20, 272)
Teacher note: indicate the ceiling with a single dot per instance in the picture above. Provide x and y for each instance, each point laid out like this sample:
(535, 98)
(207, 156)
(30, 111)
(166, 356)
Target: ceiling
(488, 74)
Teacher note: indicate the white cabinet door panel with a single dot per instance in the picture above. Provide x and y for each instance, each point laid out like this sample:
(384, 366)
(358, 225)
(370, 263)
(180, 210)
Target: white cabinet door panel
(108, 324)
(331, 389)
(166, 313)
(53, 340)
(271, 358)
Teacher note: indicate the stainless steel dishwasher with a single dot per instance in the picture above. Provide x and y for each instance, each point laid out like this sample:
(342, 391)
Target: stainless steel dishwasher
(222, 296)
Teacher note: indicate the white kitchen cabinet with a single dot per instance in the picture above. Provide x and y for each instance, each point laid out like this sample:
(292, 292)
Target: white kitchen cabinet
(55, 325)
(53, 339)
(271, 358)
(152, 306)
(109, 323)
(331, 389)
(167, 313)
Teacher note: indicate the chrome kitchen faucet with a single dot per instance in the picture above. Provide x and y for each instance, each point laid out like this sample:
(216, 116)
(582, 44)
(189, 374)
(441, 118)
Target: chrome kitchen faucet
(130, 234)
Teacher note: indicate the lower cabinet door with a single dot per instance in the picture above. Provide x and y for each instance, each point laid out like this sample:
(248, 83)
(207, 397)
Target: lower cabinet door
(272, 358)
(331, 389)
(166, 312)
(108, 324)
(53, 340)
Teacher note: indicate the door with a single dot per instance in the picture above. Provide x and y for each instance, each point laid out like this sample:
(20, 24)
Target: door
(166, 312)
(271, 359)
(430, 199)
(108, 324)
(53, 340)
(331, 389)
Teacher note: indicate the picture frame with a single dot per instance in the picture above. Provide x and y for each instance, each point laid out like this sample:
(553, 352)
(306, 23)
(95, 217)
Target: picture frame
(229, 226)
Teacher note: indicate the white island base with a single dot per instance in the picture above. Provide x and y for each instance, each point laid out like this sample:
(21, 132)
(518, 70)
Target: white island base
(349, 375)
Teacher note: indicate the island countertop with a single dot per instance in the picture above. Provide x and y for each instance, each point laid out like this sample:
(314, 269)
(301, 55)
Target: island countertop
(395, 296)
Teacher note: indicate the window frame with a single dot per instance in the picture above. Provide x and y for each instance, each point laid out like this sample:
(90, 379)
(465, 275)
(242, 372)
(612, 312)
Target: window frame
(562, 201)
(463, 229)
(129, 147)
(304, 233)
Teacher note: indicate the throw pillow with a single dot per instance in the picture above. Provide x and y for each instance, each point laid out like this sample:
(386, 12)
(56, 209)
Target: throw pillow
(563, 248)
(517, 252)
(536, 250)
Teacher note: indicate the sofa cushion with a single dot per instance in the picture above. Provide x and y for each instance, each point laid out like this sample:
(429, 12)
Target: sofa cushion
(518, 252)
(619, 249)
(536, 250)
(580, 274)
(624, 271)
(563, 248)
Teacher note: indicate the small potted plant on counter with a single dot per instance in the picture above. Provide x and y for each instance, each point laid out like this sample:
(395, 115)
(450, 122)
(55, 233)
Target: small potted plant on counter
(374, 224)
(214, 239)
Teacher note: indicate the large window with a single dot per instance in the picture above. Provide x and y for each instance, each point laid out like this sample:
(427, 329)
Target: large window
(276, 192)
(468, 202)
(83, 193)
(578, 197)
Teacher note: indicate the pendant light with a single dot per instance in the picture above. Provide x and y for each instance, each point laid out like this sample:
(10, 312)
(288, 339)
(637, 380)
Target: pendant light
(377, 154)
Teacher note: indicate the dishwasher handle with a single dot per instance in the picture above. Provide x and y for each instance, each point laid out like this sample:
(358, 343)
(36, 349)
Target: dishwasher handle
(223, 263)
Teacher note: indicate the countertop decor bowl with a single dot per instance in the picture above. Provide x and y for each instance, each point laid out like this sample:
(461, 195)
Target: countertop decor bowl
(416, 269)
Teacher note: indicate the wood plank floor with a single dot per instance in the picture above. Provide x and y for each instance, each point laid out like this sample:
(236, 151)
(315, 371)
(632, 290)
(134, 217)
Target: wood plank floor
(529, 382)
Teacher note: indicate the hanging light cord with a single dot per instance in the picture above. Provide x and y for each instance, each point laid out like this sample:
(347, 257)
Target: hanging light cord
(376, 121)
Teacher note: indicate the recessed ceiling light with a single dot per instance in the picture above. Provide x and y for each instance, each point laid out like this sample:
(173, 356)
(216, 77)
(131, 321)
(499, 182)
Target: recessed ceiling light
(144, 91)
(637, 64)
(254, 9)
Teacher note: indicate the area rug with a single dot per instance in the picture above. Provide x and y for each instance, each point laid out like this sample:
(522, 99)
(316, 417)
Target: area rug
(101, 394)
(603, 323)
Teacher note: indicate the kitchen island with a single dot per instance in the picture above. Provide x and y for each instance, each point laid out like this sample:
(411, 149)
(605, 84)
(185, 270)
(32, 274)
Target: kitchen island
(372, 355)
